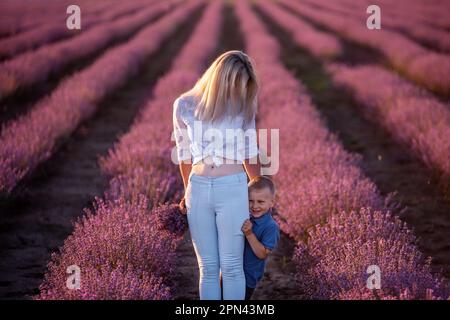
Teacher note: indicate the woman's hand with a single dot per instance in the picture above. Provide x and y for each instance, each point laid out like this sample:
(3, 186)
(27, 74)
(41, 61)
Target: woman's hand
(182, 206)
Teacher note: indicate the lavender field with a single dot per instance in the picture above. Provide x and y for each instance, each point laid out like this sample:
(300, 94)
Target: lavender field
(86, 176)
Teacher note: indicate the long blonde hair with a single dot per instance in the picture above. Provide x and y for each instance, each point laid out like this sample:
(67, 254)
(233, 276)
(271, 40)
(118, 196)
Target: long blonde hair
(229, 81)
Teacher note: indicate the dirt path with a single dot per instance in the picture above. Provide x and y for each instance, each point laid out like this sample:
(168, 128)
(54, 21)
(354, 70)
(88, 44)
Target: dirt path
(391, 166)
(36, 223)
(279, 280)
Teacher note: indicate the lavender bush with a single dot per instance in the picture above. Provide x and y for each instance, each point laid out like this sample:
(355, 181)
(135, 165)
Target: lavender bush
(337, 254)
(18, 16)
(323, 189)
(320, 44)
(430, 69)
(169, 217)
(325, 179)
(55, 29)
(143, 145)
(35, 66)
(32, 138)
(423, 12)
(414, 117)
(423, 32)
(124, 248)
(121, 251)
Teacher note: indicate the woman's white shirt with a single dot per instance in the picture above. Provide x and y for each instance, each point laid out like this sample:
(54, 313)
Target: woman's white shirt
(196, 139)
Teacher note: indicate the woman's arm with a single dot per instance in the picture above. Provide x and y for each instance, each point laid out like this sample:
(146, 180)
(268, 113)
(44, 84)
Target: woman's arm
(185, 169)
(183, 148)
(253, 167)
(182, 140)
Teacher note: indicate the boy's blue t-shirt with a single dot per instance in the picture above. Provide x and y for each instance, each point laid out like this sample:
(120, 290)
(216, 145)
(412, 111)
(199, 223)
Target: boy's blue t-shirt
(267, 232)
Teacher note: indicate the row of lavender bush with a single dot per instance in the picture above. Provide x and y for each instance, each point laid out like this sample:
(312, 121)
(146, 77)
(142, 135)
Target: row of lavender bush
(122, 251)
(411, 115)
(340, 221)
(126, 248)
(429, 35)
(19, 16)
(144, 154)
(36, 66)
(32, 138)
(320, 44)
(57, 30)
(429, 12)
(330, 179)
(427, 68)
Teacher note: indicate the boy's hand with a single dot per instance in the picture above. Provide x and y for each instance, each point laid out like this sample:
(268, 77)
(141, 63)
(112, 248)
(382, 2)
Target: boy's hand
(247, 227)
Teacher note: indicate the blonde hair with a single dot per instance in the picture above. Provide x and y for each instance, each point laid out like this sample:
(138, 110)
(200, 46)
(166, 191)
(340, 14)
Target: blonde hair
(230, 80)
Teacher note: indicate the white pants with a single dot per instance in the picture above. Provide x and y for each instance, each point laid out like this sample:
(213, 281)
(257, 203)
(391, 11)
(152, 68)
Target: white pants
(216, 209)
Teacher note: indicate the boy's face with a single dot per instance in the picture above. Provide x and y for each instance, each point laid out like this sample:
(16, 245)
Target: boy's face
(260, 200)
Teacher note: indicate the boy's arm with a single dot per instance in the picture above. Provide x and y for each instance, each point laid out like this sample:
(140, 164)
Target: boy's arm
(257, 247)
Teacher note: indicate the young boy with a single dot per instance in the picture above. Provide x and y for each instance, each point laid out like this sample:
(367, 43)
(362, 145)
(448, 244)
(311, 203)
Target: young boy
(261, 231)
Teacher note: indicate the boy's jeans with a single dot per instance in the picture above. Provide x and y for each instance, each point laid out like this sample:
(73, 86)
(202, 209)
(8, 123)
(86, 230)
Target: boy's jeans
(216, 209)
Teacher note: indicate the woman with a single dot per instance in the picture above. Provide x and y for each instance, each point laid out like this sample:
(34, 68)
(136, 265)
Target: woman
(216, 195)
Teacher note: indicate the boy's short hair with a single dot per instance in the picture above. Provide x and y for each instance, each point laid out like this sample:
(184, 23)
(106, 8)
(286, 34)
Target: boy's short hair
(261, 182)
